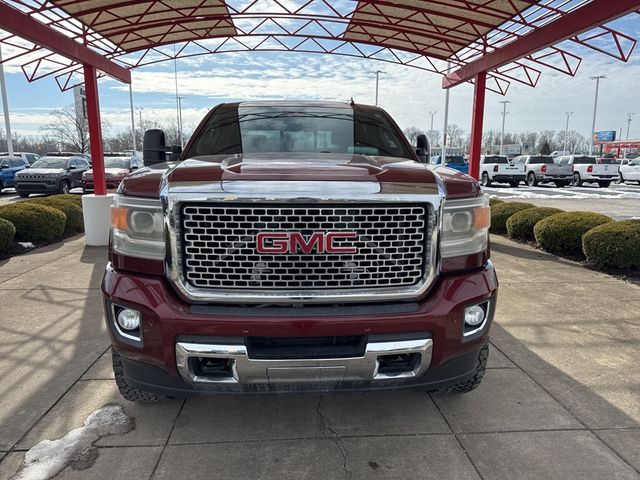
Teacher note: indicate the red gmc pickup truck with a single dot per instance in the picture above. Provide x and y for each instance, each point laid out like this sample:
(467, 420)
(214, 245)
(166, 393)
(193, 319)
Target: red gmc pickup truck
(297, 246)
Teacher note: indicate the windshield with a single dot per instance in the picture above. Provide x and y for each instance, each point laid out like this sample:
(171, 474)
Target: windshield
(298, 129)
(496, 159)
(584, 160)
(454, 159)
(542, 159)
(50, 163)
(117, 162)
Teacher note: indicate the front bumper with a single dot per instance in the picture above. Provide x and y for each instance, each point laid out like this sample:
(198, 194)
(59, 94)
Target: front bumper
(38, 187)
(431, 327)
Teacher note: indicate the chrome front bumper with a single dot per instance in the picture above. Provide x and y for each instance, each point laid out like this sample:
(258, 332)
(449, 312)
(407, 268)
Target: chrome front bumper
(245, 370)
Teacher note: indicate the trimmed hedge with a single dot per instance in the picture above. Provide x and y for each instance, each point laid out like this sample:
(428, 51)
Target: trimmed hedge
(520, 225)
(495, 201)
(72, 211)
(33, 222)
(562, 233)
(501, 213)
(613, 245)
(7, 232)
(69, 197)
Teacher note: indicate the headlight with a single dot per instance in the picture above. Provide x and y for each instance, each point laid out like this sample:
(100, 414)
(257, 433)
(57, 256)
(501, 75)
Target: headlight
(465, 226)
(137, 227)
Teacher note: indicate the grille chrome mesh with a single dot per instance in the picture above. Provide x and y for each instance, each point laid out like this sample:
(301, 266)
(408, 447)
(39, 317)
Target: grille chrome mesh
(219, 246)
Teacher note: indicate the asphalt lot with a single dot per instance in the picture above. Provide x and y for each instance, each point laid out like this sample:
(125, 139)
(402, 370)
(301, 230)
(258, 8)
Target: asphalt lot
(621, 202)
(561, 399)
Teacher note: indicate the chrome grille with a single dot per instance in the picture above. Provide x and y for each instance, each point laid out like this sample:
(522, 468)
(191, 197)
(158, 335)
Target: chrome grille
(219, 246)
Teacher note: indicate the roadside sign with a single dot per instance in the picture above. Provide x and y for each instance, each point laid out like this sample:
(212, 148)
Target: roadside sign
(605, 136)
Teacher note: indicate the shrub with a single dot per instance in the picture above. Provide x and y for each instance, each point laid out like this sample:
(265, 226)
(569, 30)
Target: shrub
(34, 223)
(72, 211)
(75, 199)
(7, 232)
(614, 244)
(495, 201)
(562, 233)
(520, 225)
(501, 213)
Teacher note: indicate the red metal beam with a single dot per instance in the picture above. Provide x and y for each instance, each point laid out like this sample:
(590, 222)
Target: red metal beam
(578, 21)
(95, 129)
(476, 125)
(24, 26)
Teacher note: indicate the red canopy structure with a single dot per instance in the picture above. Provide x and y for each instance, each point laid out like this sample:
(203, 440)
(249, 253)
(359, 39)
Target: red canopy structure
(487, 42)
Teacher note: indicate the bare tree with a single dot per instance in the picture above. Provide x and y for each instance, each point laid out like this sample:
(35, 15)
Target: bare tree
(412, 134)
(71, 131)
(454, 134)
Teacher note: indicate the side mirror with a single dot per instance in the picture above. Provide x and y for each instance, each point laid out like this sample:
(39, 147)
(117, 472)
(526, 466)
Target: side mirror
(72, 167)
(423, 148)
(4, 166)
(154, 147)
(133, 167)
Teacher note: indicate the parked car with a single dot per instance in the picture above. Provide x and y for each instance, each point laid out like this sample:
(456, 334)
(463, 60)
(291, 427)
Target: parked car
(496, 168)
(29, 157)
(9, 166)
(86, 156)
(630, 171)
(55, 174)
(116, 167)
(587, 169)
(542, 169)
(457, 162)
(209, 256)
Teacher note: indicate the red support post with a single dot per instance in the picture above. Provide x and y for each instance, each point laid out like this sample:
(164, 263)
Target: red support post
(476, 125)
(95, 129)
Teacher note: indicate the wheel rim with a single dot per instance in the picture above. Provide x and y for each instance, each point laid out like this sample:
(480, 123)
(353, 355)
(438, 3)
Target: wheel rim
(65, 188)
(531, 180)
(485, 179)
(575, 180)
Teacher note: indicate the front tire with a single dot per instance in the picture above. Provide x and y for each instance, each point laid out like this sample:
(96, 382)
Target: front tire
(514, 184)
(24, 195)
(471, 384)
(604, 184)
(64, 187)
(576, 180)
(127, 391)
(486, 181)
(560, 184)
(532, 181)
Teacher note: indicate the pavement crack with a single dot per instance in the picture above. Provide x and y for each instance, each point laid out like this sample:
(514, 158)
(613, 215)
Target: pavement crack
(330, 434)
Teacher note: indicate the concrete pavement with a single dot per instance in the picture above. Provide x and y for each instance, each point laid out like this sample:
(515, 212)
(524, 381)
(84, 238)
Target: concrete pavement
(561, 399)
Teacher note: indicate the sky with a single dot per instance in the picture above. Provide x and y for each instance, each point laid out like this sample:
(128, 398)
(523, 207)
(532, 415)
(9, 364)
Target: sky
(408, 94)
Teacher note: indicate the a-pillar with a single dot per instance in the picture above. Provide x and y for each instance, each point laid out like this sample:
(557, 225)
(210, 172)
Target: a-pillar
(477, 120)
(97, 207)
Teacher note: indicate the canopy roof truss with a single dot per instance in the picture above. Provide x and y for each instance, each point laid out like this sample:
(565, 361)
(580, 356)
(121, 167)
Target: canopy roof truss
(436, 35)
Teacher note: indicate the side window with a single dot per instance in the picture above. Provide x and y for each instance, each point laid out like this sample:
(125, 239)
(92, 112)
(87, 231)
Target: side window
(16, 163)
(73, 163)
(4, 164)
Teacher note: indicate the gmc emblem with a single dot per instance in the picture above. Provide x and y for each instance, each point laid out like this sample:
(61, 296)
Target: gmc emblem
(278, 243)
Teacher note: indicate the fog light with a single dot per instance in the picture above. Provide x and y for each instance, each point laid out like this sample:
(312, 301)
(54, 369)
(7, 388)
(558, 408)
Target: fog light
(474, 316)
(128, 319)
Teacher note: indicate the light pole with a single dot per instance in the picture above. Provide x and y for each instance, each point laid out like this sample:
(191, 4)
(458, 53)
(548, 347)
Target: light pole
(175, 72)
(504, 118)
(180, 121)
(446, 120)
(433, 114)
(133, 119)
(5, 108)
(566, 132)
(629, 120)
(140, 109)
(595, 109)
(377, 73)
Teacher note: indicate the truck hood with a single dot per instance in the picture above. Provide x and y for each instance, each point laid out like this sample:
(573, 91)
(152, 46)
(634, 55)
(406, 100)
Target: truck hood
(41, 171)
(238, 173)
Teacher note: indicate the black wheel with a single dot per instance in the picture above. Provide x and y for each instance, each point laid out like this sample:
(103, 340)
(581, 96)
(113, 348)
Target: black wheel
(604, 184)
(560, 184)
(486, 181)
(576, 181)
(472, 383)
(23, 195)
(514, 184)
(128, 392)
(64, 187)
(532, 181)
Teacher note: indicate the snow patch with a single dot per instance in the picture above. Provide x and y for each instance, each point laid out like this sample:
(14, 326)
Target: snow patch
(49, 457)
(26, 245)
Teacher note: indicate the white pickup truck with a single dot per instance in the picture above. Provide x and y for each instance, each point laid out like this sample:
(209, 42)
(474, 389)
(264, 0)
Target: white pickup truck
(588, 170)
(542, 169)
(496, 168)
